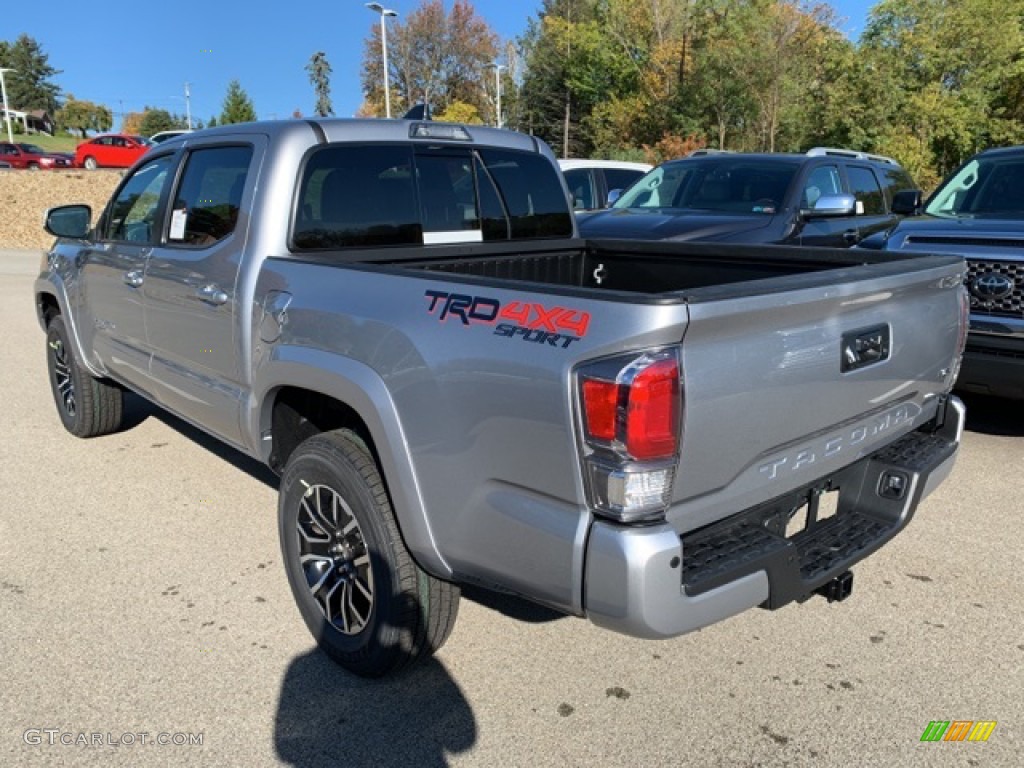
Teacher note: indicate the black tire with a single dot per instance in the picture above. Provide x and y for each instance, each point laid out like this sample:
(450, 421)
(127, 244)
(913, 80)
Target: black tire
(87, 406)
(367, 603)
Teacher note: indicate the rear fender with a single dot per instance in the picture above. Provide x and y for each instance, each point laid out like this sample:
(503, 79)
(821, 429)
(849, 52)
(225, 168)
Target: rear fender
(361, 389)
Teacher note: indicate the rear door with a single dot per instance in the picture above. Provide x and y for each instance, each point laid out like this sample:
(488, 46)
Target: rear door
(872, 208)
(191, 291)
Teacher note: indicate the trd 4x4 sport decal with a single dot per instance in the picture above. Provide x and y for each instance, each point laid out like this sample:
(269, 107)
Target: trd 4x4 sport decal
(554, 326)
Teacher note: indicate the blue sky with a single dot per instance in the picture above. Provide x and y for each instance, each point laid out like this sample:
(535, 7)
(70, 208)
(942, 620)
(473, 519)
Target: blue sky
(145, 52)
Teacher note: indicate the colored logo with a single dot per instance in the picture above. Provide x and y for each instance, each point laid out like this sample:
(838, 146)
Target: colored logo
(958, 730)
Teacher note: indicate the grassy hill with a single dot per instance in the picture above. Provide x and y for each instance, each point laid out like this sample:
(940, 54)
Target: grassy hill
(61, 143)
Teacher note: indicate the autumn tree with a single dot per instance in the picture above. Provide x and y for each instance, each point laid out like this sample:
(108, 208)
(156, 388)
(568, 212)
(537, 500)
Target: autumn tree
(435, 56)
(320, 76)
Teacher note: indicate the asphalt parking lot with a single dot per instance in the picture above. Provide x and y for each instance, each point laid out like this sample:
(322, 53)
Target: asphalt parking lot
(142, 599)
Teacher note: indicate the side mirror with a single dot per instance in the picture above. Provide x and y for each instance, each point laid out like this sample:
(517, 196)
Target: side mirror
(907, 202)
(68, 221)
(832, 205)
(613, 196)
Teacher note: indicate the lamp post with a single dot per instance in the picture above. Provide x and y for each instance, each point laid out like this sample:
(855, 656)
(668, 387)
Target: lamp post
(7, 107)
(497, 87)
(384, 13)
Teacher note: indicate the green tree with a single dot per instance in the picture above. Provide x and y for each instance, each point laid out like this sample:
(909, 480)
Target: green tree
(212, 122)
(238, 107)
(29, 86)
(320, 77)
(84, 116)
(156, 120)
(954, 69)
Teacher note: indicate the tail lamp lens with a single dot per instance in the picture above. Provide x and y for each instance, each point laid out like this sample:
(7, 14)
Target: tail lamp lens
(653, 416)
(631, 410)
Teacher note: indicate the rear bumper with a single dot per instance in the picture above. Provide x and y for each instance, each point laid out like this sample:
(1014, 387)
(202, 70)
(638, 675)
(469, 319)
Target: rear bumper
(650, 582)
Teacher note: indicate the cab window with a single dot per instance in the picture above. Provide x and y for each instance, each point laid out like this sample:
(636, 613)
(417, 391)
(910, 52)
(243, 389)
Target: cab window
(864, 187)
(132, 214)
(824, 181)
(208, 198)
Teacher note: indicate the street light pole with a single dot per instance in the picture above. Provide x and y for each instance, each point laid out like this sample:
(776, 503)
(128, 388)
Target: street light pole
(497, 87)
(384, 13)
(188, 107)
(7, 107)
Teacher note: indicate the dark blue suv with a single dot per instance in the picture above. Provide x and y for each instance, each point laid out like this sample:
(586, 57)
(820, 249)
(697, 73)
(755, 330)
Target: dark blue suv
(978, 212)
(827, 197)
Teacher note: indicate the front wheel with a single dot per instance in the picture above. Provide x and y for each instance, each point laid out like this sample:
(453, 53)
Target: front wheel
(87, 406)
(367, 603)
(90, 164)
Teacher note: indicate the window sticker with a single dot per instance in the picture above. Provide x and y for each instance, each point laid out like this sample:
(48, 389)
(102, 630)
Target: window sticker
(860, 207)
(453, 236)
(178, 219)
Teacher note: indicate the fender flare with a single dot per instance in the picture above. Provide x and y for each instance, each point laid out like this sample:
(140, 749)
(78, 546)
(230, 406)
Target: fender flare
(363, 390)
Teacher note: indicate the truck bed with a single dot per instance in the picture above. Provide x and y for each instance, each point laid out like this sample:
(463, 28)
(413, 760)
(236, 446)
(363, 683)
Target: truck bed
(657, 270)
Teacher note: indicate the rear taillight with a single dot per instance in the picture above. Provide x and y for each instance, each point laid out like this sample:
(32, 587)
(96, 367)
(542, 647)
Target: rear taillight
(631, 419)
(961, 342)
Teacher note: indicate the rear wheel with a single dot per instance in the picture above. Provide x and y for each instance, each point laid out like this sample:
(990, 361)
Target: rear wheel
(90, 164)
(33, 166)
(87, 406)
(367, 603)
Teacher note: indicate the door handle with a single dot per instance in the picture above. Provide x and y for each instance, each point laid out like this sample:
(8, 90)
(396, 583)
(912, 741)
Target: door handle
(212, 294)
(851, 236)
(133, 278)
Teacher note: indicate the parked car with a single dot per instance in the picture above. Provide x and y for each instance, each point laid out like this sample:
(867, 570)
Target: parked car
(162, 136)
(827, 197)
(112, 150)
(32, 157)
(978, 212)
(456, 389)
(591, 181)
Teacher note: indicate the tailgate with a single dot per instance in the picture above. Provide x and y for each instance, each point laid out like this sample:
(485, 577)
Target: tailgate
(785, 386)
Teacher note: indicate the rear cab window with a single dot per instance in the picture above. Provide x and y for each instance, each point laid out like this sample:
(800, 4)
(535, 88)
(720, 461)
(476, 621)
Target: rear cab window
(358, 196)
(865, 188)
(209, 195)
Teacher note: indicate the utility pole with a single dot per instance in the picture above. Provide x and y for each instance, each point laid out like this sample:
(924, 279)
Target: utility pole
(188, 108)
(384, 13)
(497, 87)
(7, 107)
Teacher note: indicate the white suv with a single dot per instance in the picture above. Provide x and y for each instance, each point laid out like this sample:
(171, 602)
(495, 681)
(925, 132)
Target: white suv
(590, 181)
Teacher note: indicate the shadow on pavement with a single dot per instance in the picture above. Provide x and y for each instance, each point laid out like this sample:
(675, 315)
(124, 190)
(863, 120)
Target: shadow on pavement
(326, 716)
(993, 415)
(513, 606)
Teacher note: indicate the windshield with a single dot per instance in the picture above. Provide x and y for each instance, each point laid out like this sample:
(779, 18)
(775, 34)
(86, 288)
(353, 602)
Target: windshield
(991, 187)
(725, 185)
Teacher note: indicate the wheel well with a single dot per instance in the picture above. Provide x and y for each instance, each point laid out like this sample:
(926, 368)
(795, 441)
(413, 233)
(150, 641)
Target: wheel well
(48, 308)
(298, 414)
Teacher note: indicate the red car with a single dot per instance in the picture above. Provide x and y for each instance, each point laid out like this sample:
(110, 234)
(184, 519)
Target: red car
(112, 150)
(31, 157)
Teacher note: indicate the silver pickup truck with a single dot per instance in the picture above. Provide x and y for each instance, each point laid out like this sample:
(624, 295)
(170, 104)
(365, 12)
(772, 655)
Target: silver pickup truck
(399, 318)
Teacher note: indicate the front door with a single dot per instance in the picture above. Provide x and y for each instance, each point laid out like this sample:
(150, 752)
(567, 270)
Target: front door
(825, 231)
(112, 274)
(191, 288)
